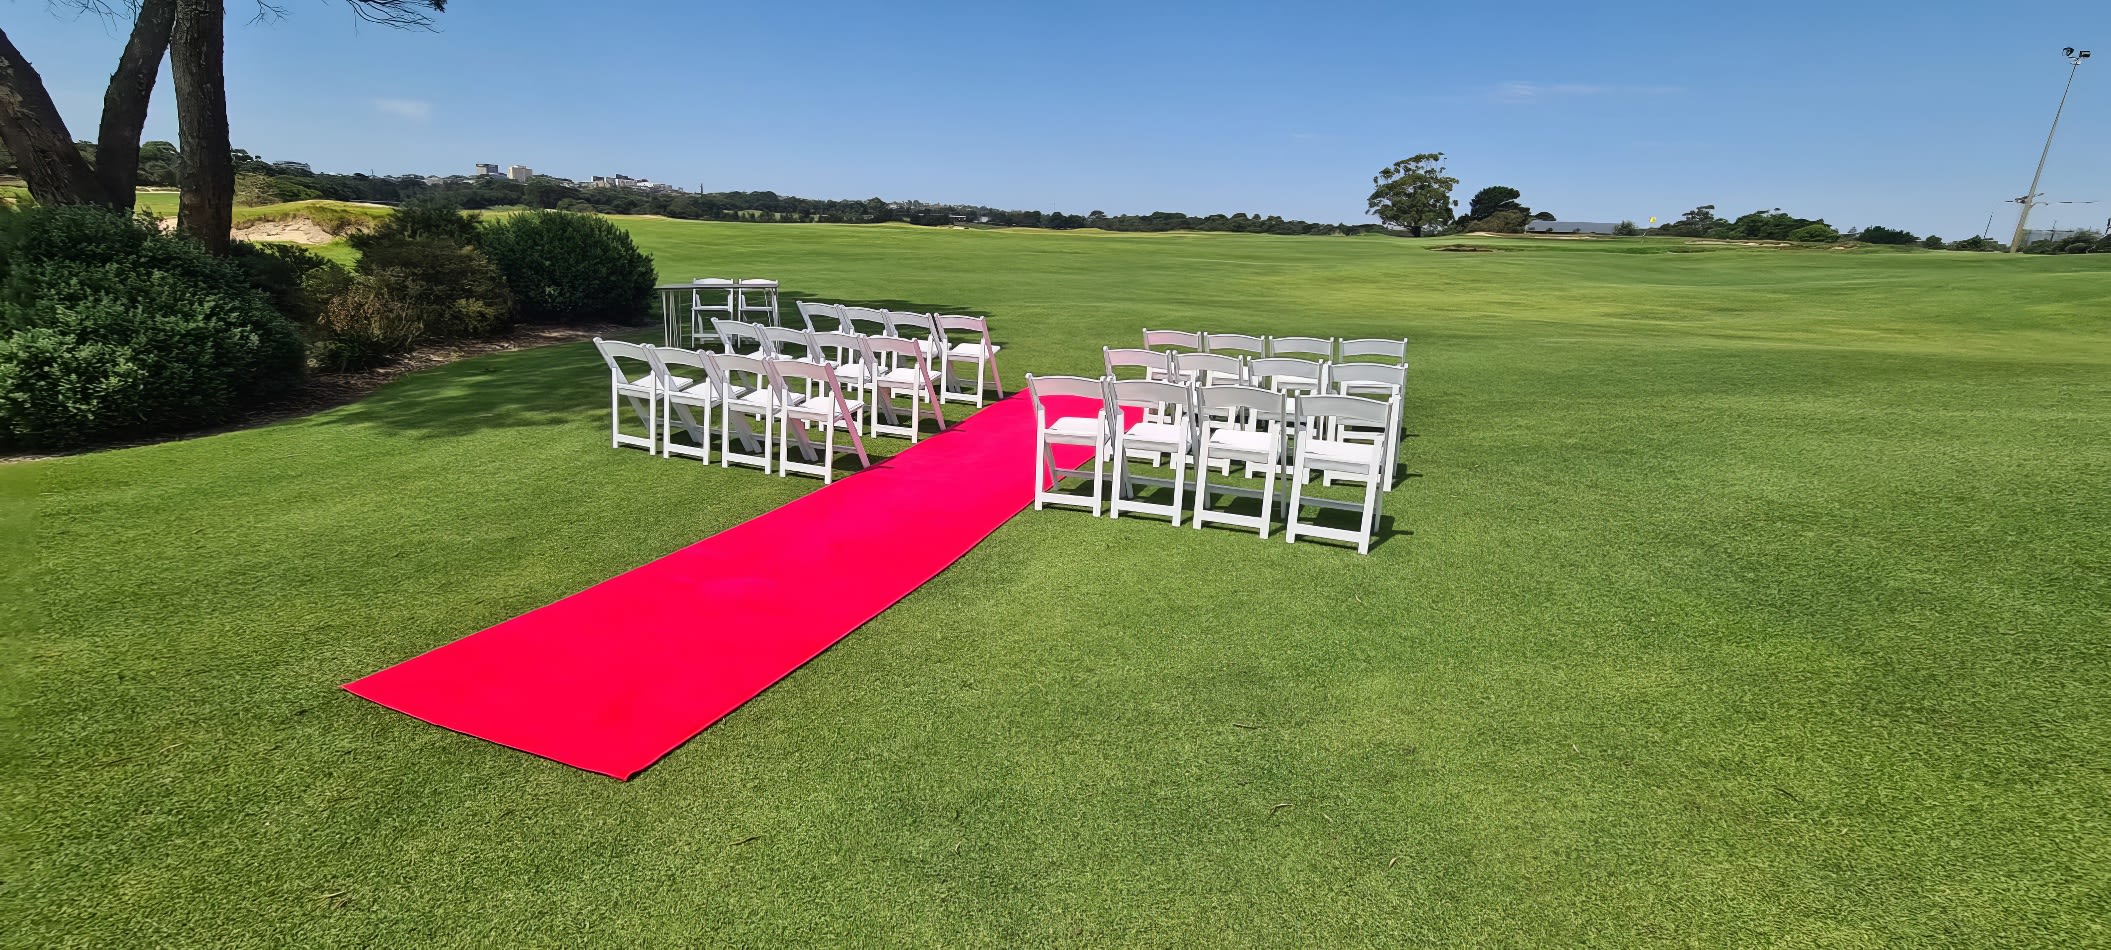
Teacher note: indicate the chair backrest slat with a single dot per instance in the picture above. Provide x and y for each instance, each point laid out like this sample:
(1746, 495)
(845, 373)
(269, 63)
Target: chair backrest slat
(1234, 343)
(1208, 368)
(1354, 409)
(1395, 350)
(1308, 346)
(1154, 364)
(1163, 339)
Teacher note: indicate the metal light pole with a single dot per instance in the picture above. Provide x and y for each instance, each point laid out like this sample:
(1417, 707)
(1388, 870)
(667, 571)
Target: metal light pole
(2074, 62)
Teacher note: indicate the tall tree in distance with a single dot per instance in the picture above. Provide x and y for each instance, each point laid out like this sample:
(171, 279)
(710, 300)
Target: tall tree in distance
(1487, 201)
(1414, 193)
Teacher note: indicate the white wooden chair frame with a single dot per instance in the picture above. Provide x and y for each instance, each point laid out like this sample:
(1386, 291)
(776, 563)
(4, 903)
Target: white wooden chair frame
(1388, 384)
(642, 390)
(1251, 347)
(1258, 442)
(1089, 431)
(1394, 351)
(979, 351)
(826, 408)
(701, 312)
(1303, 347)
(680, 395)
(1172, 438)
(910, 374)
(1166, 339)
(739, 403)
(1318, 415)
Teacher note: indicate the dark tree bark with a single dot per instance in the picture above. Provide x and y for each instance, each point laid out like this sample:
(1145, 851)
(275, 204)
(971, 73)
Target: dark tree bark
(125, 101)
(197, 44)
(31, 127)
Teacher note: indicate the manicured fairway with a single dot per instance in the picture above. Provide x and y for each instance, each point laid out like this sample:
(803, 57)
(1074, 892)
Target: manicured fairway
(1738, 597)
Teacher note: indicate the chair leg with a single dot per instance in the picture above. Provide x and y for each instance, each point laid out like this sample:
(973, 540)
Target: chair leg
(858, 442)
(1201, 479)
(615, 418)
(1268, 503)
(828, 456)
(996, 374)
(1099, 478)
(1297, 499)
(1370, 512)
(1179, 485)
(1041, 466)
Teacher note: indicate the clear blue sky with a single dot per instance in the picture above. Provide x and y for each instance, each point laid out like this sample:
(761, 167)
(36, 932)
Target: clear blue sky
(1922, 115)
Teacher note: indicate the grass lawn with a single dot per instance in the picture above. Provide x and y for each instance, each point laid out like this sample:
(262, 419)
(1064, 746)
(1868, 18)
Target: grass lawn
(1738, 597)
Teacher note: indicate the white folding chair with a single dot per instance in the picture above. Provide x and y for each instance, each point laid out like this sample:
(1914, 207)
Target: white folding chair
(1289, 375)
(1306, 347)
(826, 407)
(863, 321)
(1235, 344)
(1385, 383)
(1089, 429)
(1175, 340)
(1208, 369)
(1155, 365)
(922, 328)
(630, 377)
(1394, 351)
(746, 393)
(977, 350)
(852, 359)
(1317, 416)
(685, 386)
(1166, 429)
(910, 375)
(1222, 439)
(818, 316)
(735, 336)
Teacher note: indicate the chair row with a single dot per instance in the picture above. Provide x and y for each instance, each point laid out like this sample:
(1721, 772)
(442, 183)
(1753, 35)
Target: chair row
(1284, 374)
(845, 382)
(1334, 349)
(954, 340)
(1200, 428)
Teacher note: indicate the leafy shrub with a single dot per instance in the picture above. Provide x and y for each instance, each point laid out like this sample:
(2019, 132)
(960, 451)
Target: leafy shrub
(113, 329)
(1883, 235)
(454, 291)
(421, 219)
(1975, 243)
(1626, 229)
(297, 281)
(1819, 233)
(1932, 243)
(372, 317)
(570, 268)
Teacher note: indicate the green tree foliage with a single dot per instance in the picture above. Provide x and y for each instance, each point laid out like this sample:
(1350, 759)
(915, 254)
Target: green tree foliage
(1814, 233)
(1694, 223)
(1883, 235)
(1932, 243)
(1975, 243)
(429, 218)
(1494, 198)
(110, 329)
(1414, 193)
(1626, 229)
(2080, 242)
(570, 268)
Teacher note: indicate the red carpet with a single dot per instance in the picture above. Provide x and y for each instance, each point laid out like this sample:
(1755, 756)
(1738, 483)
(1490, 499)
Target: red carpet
(614, 677)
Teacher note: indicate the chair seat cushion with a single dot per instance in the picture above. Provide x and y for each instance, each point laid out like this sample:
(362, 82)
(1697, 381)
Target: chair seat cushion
(1161, 433)
(1360, 455)
(1077, 427)
(1241, 440)
(973, 351)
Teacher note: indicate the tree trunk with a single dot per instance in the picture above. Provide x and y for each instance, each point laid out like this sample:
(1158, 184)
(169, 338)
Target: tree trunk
(197, 62)
(32, 129)
(125, 102)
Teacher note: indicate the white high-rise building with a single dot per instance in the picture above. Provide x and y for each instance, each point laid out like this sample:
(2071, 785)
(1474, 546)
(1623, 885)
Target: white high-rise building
(486, 170)
(519, 173)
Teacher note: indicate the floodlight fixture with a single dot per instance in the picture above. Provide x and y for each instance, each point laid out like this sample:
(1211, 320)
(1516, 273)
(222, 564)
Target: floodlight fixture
(2074, 62)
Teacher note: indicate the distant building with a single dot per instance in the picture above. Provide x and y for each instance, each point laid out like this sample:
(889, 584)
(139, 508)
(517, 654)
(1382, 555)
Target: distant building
(625, 181)
(1569, 227)
(520, 173)
(487, 170)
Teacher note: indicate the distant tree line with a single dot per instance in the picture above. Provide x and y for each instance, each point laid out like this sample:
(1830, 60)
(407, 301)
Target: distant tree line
(259, 181)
